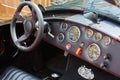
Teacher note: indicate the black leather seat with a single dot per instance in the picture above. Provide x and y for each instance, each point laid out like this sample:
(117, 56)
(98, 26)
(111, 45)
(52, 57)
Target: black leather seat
(16, 74)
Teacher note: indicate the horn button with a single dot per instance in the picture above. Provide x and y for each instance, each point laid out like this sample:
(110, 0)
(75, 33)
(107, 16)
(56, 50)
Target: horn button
(28, 26)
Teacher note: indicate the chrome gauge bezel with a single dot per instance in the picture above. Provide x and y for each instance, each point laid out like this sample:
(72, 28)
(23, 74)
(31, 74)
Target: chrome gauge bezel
(89, 32)
(106, 40)
(64, 26)
(59, 36)
(98, 36)
(91, 52)
(71, 33)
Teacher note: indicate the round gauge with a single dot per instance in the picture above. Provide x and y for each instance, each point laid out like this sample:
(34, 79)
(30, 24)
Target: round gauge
(73, 33)
(64, 26)
(98, 36)
(106, 40)
(60, 37)
(89, 32)
(93, 52)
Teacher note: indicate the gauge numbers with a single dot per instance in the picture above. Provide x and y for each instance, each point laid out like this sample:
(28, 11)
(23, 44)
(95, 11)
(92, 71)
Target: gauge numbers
(93, 52)
(73, 33)
(89, 32)
(106, 40)
(98, 36)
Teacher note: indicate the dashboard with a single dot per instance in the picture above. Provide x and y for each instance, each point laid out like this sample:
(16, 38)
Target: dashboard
(93, 37)
(95, 43)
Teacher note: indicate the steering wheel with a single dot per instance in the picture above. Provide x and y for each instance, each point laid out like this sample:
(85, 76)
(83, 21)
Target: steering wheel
(29, 27)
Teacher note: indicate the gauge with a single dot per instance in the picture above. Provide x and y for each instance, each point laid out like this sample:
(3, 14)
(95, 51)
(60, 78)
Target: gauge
(64, 26)
(73, 33)
(60, 37)
(93, 52)
(98, 36)
(106, 40)
(89, 32)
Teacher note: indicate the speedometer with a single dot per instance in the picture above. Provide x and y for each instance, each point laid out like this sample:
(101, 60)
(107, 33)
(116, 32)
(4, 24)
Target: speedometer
(93, 52)
(73, 33)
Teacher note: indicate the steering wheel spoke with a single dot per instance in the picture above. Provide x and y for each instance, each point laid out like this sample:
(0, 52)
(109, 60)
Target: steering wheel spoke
(34, 16)
(24, 37)
(19, 17)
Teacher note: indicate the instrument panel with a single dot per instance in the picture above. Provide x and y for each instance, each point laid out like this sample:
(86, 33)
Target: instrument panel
(88, 44)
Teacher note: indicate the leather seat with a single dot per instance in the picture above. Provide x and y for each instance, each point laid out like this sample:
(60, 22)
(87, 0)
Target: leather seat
(16, 74)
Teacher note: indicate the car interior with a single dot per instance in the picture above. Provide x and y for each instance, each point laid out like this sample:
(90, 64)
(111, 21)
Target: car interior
(61, 42)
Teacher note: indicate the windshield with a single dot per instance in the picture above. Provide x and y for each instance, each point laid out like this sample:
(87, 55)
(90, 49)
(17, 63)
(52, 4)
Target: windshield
(105, 7)
(108, 8)
(84, 2)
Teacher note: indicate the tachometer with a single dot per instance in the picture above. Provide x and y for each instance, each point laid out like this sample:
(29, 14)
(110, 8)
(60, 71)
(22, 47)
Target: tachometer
(93, 52)
(74, 33)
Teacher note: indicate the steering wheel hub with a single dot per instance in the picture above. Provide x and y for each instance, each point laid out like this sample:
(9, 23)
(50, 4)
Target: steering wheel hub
(28, 26)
